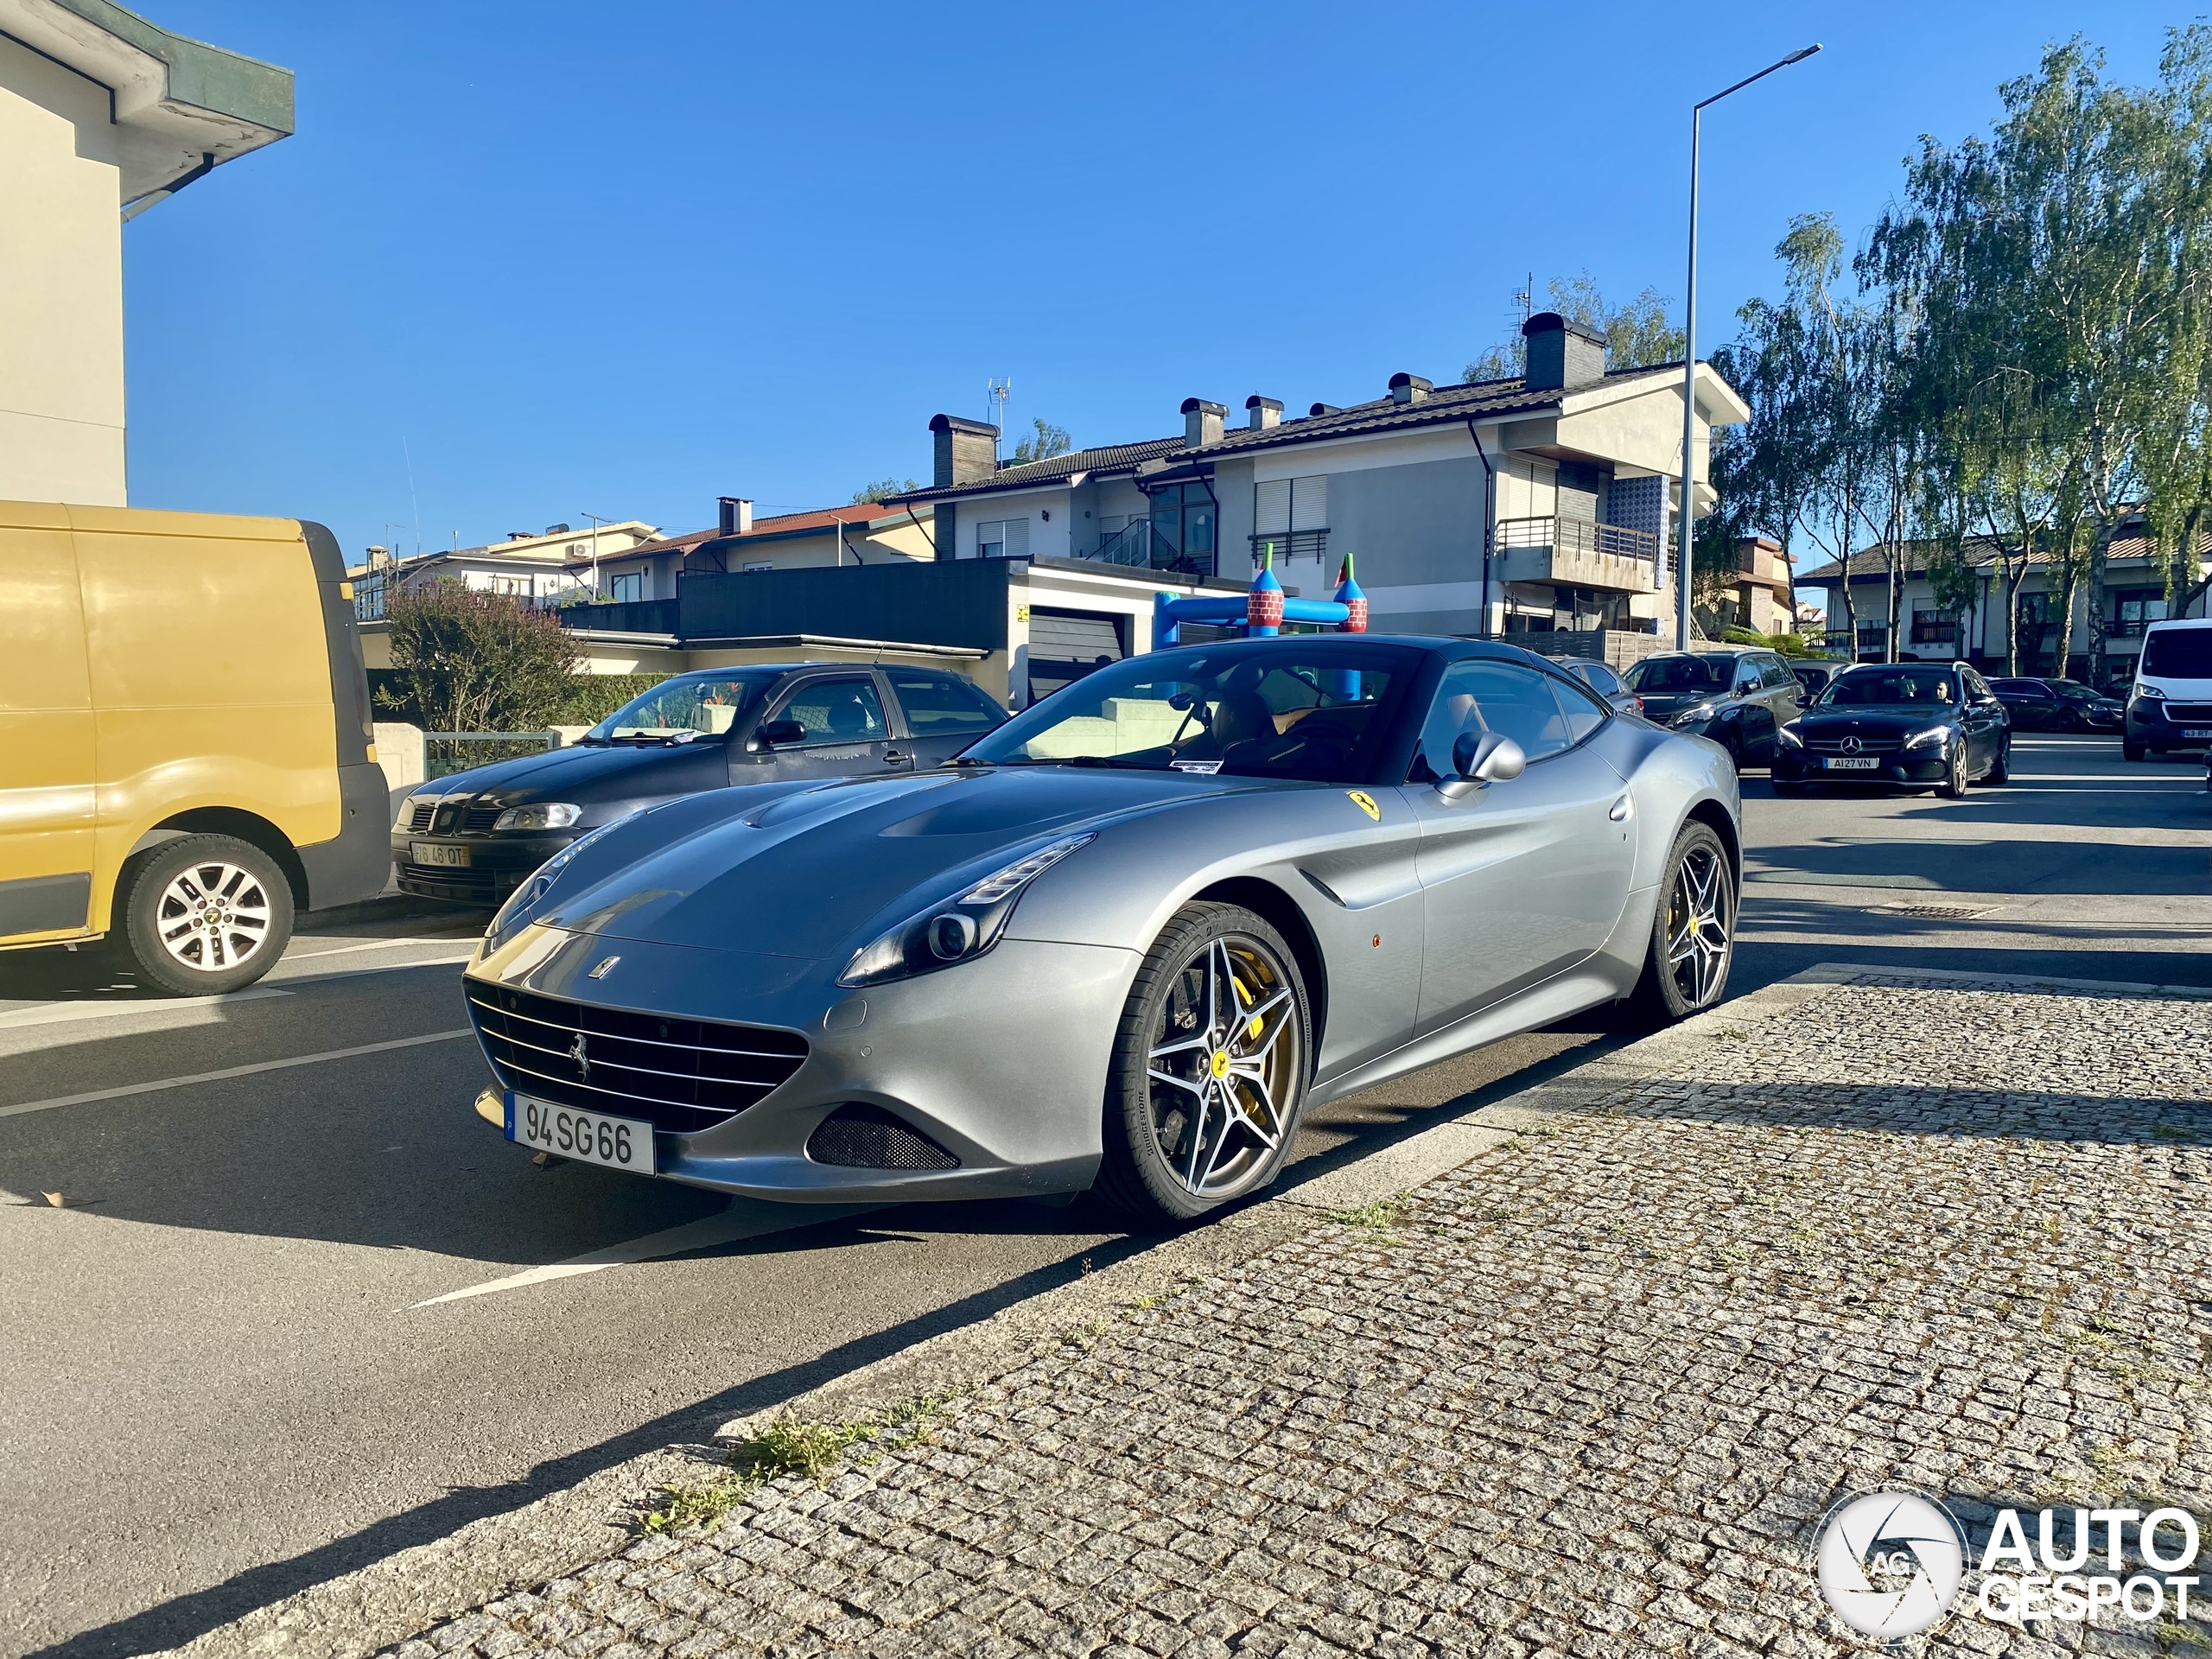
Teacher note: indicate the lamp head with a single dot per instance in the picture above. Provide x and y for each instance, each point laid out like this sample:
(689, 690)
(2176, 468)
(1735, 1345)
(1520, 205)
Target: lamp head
(1801, 55)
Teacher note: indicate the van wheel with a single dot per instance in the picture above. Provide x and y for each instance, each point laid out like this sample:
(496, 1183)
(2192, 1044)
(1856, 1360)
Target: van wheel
(203, 914)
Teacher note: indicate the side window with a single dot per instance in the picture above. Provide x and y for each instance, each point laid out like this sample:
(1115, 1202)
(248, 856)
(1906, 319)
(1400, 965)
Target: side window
(1601, 679)
(937, 705)
(1778, 674)
(837, 711)
(1489, 696)
(1976, 686)
(1584, 713)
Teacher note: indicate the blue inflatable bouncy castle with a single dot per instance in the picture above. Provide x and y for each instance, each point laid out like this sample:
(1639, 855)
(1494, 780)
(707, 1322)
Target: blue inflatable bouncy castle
(1262, 611)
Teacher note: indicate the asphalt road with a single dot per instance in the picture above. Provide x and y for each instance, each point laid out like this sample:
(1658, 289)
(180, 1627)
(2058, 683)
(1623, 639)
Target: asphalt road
(292, 1318)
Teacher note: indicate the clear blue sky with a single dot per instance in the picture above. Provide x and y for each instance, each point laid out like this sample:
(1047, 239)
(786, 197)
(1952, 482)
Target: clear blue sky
(622, 259)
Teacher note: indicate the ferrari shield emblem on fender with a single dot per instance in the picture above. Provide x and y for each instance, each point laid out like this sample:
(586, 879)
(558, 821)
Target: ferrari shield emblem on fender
(1365, 803)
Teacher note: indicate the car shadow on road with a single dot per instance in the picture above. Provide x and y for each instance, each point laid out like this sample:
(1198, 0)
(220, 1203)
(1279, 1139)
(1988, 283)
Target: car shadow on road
(1995, 864)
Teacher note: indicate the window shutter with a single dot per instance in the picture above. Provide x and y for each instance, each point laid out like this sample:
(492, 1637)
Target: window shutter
(1309, 503)
(1017, 538)
(1271, 507)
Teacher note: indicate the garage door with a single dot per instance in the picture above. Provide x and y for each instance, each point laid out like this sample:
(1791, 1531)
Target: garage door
(1065, 646)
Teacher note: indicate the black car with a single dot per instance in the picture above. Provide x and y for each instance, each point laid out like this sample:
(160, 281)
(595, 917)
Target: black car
(1919, 724)
(2057, 706)
(472, 836)
(1739, 699)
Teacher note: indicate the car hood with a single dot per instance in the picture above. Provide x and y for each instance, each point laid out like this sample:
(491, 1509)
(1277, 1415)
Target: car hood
(617, 773)
(801, 874)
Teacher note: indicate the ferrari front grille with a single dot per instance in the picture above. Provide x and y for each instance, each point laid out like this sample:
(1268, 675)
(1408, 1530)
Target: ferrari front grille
(682, 1074)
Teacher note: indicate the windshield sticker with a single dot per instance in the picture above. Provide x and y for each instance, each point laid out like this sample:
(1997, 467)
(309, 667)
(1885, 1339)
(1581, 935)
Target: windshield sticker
(1365, 803)
(1209, 767)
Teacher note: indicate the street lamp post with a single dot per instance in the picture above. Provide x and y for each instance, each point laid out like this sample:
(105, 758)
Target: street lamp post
(1685, 514)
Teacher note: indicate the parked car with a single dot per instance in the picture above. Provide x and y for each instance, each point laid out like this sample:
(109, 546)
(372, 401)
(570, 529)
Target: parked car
(185, 754)
(1813, 676)
(1739, 699)
(1606, 683)
(2170, 705)
(472, 836)
(1137, 892)
(2057, 706)
(1917, 724)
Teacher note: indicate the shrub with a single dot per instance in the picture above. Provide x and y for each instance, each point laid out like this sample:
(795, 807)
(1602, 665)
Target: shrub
(472, 661)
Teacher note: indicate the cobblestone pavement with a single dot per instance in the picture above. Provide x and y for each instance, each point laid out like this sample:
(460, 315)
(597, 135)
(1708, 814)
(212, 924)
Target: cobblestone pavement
(1589, 1394)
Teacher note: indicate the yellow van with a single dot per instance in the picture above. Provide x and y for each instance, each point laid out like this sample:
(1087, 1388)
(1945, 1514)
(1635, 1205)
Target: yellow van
(185, 754)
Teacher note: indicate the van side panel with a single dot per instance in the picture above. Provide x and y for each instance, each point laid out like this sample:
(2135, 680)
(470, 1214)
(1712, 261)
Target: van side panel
(47, 798)
(210, 674)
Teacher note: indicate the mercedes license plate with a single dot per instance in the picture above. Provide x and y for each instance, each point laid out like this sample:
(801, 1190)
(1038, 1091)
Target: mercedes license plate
(429, 851)
(1853, 763)
(588, 1137)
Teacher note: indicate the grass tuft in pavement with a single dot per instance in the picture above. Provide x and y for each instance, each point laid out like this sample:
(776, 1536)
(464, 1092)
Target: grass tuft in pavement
(793, 1445)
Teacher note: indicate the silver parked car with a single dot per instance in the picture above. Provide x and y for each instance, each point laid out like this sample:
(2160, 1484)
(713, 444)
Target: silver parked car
(1125, 940)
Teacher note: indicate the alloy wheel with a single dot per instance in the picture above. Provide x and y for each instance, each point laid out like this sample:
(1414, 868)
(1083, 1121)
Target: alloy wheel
(212, 915)
(1223, 1066)
(1698, 926)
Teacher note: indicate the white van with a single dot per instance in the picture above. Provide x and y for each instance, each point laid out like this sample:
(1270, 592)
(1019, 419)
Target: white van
(2170, 705)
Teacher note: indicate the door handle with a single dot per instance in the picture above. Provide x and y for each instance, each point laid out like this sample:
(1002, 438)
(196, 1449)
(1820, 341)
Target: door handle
(892, 758)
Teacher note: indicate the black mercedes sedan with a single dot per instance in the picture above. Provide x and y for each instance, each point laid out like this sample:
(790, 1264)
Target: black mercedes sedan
(474, 836)
(1923, 725)
(2057, 706)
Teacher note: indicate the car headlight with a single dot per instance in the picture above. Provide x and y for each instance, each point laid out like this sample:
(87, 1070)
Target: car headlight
(958, 930)
(1787, 736)
(544, 815)
(1922, 740)
(525, 898)
(2149, 694)
(1693, 714)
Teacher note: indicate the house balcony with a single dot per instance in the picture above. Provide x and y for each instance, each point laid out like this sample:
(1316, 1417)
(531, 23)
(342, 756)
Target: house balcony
(1580, 553)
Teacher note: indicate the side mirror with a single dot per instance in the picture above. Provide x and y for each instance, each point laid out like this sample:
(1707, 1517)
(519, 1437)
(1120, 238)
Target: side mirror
(1481, 758)
(775, 732)
(1802, 701)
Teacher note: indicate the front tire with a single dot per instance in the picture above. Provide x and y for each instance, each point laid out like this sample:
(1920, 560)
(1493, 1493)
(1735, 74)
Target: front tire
(201, 915)
(1693, 932)
(1954, 786)
(2133, 751)
(1210, 1068)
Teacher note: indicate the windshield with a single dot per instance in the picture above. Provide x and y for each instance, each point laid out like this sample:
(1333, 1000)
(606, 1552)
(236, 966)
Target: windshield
(1285, 709)
(680, 711)
(1663, 675)
(2178, 654)
(1891, 686)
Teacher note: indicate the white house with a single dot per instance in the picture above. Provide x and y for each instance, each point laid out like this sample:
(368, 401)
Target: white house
(1521, 506)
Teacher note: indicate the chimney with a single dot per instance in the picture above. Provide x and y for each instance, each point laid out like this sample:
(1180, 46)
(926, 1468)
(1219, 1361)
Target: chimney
(1409, 388)
(1202, 422)
(1323, 409)
(1263, 412)
(1561, 353)
(737, 516)
(967, 451)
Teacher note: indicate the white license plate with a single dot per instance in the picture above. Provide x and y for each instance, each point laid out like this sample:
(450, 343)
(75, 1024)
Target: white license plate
(1851, 763)
(588, 1137)
(2197, 731)
(429, 851)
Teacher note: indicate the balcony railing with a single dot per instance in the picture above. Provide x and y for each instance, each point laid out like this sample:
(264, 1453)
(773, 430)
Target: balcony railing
(1288, 545)
(1580, 553)
(1578, 536)
(1138, 546)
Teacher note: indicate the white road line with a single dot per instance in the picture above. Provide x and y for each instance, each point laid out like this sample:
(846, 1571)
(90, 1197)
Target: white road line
(232, 1071)
(376, 945)
(372, 968)
(50, 1013)
(745, 1218)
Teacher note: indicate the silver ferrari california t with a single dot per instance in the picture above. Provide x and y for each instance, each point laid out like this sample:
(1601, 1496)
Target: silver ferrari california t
(1124, 941)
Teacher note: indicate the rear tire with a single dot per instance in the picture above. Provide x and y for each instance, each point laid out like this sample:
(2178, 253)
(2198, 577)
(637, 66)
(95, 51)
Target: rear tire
(2000, 769)
(201, 915)
(1685, 970)
(1202, 1098)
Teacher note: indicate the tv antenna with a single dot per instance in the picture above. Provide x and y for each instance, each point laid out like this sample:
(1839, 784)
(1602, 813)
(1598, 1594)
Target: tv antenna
(999, 389)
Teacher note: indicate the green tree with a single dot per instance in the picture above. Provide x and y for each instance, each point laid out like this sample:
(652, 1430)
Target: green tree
(879, 488)
(1045, 441)
(1637, 334)
(473, 661)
